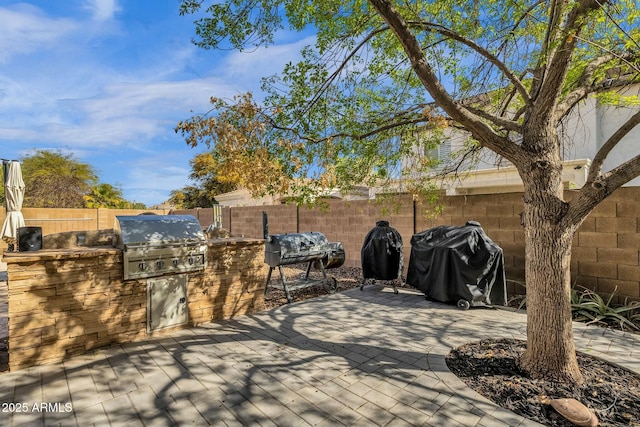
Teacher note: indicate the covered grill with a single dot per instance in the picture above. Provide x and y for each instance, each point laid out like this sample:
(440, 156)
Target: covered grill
(154, 245)
(312, 248)
(381, 254)
(458, 264)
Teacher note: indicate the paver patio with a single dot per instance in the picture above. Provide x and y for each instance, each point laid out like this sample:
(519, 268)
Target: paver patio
(356, 358)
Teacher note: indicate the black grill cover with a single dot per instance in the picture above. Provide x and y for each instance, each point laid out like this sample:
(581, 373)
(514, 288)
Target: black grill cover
(450, 263)
(381, 253)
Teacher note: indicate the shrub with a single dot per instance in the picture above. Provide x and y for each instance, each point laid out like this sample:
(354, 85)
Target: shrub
(588, 306)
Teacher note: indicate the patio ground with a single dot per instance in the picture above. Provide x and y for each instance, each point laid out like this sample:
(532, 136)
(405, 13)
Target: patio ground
(353, 358)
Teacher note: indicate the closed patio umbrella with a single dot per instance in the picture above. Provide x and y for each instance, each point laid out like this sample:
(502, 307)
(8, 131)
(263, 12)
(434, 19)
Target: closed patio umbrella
(14, 195)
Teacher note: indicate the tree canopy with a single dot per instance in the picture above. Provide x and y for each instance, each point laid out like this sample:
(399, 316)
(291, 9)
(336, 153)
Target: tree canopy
(54, 179)
(205, 173)
(347, 113)
(107, 196)
(383, 74)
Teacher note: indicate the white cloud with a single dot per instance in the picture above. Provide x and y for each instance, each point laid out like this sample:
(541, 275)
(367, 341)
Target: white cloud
(150, 180)
(102, 10)
(26, 29)
(246, 69)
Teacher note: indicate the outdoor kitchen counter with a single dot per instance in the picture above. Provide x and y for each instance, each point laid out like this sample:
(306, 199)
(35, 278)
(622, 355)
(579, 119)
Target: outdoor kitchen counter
(57, 254)
(93, 251)
(68, 301)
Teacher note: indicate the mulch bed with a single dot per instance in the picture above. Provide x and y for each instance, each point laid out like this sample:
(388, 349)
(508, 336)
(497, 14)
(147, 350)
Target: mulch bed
(491, 368)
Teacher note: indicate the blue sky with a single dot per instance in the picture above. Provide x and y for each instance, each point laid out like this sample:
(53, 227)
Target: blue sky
(108, 80)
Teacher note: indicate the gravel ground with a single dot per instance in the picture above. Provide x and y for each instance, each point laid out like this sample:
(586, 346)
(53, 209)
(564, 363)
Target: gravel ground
(347, 278)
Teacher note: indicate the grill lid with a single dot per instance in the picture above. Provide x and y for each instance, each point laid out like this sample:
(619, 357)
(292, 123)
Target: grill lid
(156, 230)
(293, 248)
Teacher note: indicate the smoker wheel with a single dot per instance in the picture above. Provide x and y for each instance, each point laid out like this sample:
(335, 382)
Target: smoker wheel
(463, 304)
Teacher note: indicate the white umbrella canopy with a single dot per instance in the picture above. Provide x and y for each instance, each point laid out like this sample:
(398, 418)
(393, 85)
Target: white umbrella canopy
(14, 195)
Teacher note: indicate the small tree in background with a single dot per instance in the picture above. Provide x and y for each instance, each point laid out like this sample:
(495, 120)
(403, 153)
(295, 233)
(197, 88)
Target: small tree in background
(105, 196)
(506, 73)
(56, 180)
(209, 184)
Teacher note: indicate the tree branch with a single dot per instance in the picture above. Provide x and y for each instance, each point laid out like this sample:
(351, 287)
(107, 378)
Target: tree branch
(505, 123)
(483, 133)
(341, 67)
(556, 68)
(599, 186)
(491, 58)
(596, 165)
(587, 86)
(376, 131)
(596, 191)
(582, 93)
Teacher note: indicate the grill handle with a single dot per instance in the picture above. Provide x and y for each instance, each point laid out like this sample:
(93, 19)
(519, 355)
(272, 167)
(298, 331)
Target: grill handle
(265, 227)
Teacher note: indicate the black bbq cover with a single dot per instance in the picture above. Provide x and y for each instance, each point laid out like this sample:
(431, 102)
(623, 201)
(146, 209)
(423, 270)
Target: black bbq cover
(382, 253)
(450, 263)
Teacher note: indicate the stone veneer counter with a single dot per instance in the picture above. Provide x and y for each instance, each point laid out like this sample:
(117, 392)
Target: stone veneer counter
(64, 302)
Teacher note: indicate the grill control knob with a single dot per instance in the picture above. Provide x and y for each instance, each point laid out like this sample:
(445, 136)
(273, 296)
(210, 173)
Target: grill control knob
(142, 266)
(174, 262)
(191, 260)
(160, 263)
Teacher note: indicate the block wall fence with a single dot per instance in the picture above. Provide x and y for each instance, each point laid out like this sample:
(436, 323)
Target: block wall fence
(55, 221)
(606, 248)
(605, 253)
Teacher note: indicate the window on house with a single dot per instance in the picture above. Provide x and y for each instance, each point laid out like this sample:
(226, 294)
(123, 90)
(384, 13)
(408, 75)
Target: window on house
(440, 154)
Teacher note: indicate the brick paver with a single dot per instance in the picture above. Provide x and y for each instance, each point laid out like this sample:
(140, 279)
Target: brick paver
(354, 358)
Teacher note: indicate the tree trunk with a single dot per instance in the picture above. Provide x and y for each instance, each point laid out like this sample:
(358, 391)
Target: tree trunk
(550, 352)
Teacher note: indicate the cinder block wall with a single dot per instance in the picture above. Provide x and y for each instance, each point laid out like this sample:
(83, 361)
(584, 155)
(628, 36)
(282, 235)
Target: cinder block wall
(67, 302)
(349, 222)
(53, 221)
(499, 215)
(606, 249)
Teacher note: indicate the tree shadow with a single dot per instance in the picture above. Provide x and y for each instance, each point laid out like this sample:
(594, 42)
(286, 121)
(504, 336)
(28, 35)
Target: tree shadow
(318, 359)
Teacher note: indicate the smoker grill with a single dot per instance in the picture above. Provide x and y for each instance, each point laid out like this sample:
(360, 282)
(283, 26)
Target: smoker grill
(381, 255)
(155, 245)
(294, 248)
(312, 248)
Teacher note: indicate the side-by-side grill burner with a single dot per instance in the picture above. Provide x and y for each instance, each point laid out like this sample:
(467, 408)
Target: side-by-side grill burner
(154, 245)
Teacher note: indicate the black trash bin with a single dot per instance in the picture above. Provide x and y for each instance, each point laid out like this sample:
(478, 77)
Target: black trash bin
(381, 254)
(459, 265)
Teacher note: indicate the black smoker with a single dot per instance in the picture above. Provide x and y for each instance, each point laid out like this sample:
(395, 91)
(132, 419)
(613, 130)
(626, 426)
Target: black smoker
(294, 248)
(381, 254)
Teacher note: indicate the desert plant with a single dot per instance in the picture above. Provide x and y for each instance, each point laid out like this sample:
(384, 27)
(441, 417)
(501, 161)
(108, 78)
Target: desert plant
(633, 314)
(519, 300)
(590, 307)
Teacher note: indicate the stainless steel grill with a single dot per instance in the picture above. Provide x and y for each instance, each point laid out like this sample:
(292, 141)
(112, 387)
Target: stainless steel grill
(312, 248)
(154, 245)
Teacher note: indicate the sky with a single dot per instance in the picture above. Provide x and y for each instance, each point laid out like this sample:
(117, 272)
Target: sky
(108, 80)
